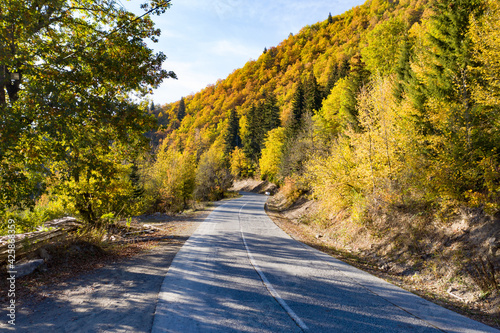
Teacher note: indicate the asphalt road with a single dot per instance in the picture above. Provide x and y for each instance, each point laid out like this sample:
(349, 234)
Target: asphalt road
(240, 273)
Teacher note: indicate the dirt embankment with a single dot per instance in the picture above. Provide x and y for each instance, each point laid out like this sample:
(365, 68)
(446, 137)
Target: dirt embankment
(455, 262)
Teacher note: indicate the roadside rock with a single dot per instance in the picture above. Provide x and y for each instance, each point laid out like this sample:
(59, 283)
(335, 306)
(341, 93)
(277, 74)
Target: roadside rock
(44, 254)
(28, 267)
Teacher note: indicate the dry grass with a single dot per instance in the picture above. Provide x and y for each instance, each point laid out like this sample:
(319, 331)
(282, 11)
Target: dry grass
(450, 263)
(81, 253)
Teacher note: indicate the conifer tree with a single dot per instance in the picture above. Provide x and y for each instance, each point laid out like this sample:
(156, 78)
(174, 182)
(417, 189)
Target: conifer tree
(138, 188)
(358, 77)
(344, 69)
(312, 95)
(298, 108)
(403, 70)
(271, 113)
(181, 111)
(333, 77)
(451, 53)
(451, 111)
(233, 132)
(448, 78)
(330, 18)
(253, 139)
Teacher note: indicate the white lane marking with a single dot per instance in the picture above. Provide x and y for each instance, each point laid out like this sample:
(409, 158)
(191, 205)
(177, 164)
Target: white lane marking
(268, 284)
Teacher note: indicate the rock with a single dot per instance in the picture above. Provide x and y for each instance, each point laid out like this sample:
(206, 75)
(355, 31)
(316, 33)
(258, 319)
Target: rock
(44, 254)
(28, 267)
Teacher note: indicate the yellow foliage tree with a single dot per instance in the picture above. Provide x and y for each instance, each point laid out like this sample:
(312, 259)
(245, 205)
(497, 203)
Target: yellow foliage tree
(241, 166)
(334, 116)
(379, 161)
(272, 154)
(171, 179)
(384, 45)
(486, 38)
(212, 176)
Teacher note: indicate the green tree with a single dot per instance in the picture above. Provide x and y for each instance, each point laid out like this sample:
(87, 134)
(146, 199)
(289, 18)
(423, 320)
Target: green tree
(298, 109)
(233, 132)
(456, 141)
(181, 111)
(254, 136)
(312, 95)
(271, 113)
(67, 113)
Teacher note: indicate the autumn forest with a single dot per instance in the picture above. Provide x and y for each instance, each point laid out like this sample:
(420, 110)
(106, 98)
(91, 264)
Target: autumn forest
(393, 104)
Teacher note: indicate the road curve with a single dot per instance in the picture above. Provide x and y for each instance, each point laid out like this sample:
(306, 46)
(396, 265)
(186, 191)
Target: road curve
(240, 273)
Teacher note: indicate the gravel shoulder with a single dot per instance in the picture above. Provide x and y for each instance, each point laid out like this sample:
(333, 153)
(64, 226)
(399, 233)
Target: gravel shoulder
(119, 296)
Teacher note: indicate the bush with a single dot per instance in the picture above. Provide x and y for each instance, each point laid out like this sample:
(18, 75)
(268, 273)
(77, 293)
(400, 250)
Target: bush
(47, 208)
(171, 180)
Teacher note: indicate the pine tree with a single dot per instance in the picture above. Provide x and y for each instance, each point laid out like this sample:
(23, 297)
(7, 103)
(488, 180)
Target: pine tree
(254, 137)
(452, 114)
(330, 18)
(181, 111)
(448, 78)
(298, 109)
(403, 70)
(271, 113)
(138, 188)
(233, 132)
(407, 85)
(332, 79)
(358, 77)
(452, 49)
(344, 69)
(312, 95)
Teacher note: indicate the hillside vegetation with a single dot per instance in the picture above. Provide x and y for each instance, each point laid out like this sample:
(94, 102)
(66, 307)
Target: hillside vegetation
(392, 101)
(389, 111)
(385, 119)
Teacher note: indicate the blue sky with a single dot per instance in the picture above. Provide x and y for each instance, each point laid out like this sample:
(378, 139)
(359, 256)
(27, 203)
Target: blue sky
(206, 40)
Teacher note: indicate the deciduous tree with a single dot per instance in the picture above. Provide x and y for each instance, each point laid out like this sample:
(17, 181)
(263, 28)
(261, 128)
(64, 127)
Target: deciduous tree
(67, 112)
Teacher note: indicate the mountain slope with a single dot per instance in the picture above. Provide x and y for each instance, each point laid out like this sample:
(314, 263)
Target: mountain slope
(315, 49)
(389, 120)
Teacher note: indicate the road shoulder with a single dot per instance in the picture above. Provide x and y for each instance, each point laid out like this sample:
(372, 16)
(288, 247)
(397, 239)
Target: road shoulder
(120, 296)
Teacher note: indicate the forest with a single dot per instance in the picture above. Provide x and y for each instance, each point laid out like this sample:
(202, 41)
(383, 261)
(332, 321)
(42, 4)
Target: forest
(383, 120)
(393, 104)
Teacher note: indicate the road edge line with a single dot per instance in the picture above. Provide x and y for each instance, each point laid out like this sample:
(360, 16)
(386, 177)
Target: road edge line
(268, 284)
